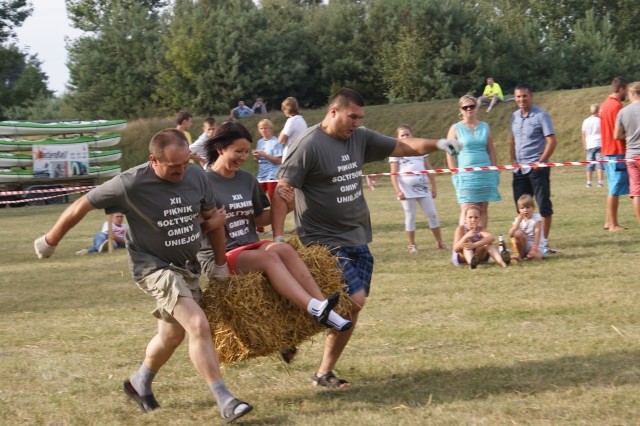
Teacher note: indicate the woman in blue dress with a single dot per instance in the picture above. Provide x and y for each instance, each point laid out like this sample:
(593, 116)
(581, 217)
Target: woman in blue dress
(477, 188)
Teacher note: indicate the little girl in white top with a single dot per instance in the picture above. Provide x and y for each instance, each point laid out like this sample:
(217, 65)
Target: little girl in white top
(527, 230)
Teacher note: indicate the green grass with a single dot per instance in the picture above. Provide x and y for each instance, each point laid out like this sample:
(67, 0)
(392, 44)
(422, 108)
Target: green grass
(542, 343)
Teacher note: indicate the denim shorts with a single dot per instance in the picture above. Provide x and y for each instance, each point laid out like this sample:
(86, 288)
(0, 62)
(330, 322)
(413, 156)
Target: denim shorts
(357, 267)
(593, 154)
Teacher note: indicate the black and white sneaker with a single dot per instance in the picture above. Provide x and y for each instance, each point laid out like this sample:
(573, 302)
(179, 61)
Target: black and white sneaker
(322, 317)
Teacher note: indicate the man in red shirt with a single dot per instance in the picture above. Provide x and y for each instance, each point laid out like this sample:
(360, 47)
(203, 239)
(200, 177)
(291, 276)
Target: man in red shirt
(614, 149)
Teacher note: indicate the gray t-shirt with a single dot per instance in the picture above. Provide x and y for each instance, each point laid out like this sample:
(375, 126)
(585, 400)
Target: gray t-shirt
(629, 119)
(330, 207)
(164, 217)
(243, 200)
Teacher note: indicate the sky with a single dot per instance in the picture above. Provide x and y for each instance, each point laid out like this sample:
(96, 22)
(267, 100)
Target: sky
(43, 33)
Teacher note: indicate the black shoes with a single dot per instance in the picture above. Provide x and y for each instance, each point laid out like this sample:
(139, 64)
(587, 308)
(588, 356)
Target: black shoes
(146, 403)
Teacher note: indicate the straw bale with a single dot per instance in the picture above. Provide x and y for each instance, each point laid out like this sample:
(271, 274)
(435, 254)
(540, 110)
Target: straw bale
(249, 319)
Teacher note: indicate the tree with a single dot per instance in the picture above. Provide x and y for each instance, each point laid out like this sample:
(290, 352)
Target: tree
(427, 49)
(12, 14)
(22, 81)
(113, 71)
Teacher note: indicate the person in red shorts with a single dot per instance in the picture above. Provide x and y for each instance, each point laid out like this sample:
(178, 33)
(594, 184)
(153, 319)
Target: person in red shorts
(628, 128)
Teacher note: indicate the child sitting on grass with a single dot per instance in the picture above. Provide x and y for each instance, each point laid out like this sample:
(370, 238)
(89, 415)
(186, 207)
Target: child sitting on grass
(527, 230)
(471, 244)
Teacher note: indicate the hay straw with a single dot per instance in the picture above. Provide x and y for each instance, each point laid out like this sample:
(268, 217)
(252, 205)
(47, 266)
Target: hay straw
(249, 319)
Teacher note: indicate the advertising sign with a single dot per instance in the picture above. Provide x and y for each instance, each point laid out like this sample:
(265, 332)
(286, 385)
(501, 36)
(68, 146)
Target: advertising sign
(60, 161)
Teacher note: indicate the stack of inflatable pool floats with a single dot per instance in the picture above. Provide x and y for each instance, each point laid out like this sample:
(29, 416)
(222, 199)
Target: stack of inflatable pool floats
(53, 152)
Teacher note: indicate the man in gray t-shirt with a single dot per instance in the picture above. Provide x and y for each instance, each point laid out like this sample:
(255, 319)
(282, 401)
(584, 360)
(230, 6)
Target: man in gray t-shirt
(323, 168)
(628, 128)
(165, 201)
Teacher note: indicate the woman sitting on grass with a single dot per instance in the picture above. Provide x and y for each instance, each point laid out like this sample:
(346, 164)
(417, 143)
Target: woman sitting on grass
(246, 208)
(471, 244)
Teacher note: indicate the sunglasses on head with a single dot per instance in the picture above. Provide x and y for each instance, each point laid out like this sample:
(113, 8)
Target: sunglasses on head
(468, 107)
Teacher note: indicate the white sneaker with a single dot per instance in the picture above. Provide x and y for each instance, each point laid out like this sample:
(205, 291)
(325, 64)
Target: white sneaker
(82, 252)
(412, 249)
(600, 184)
(588, 184)
(104, 247)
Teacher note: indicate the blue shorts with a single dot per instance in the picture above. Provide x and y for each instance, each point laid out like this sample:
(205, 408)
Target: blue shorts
(593, 154)
(617, 176)
(357, 267)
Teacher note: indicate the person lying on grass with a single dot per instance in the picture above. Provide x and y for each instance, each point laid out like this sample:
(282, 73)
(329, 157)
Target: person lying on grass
(473, 245)
(246, 206)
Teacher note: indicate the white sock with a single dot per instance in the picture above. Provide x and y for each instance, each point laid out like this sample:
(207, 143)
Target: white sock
(336, 321)
(315, 307)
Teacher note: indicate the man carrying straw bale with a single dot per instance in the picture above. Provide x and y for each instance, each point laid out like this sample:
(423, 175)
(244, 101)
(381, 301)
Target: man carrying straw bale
(324, 170)
(164, 200)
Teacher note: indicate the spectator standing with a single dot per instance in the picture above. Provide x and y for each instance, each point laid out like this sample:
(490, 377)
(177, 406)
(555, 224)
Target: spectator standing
(613, 150)
(294, 126)
(533, 140)
(198, 149)
(480, 187)
(592, 144)
(268, 154)
(628, 128)
(184, 120)
(412, 191)
(491, 95)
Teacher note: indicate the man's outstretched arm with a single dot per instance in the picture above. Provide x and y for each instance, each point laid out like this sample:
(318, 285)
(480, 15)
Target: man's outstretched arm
(70, 217)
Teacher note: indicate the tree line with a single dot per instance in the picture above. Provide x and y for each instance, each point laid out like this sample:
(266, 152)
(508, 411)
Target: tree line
(141, 58)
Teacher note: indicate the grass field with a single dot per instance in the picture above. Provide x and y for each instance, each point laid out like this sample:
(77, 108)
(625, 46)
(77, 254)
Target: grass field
(552, 342)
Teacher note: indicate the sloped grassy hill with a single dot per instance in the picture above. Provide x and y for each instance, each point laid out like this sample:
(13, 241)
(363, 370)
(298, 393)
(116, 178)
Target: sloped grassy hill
(568, 108)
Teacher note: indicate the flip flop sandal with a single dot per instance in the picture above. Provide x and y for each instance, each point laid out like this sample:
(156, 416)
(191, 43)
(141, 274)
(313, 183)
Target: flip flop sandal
(329, 380)
(146, 403)
(229, 413)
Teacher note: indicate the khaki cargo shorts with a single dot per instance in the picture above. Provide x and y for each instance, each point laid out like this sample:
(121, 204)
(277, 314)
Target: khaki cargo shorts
(166, 285)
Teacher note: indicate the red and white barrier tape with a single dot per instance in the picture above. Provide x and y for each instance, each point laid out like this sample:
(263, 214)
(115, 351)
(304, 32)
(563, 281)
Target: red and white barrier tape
(369, 177)
(505, 167)
(63, 192)
(49, 190)
(30, 200)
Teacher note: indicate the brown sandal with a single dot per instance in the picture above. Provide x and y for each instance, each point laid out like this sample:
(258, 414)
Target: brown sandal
(329, 380)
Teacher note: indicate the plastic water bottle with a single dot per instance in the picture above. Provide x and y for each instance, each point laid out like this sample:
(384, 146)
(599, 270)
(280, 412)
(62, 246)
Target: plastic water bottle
(504, 252)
